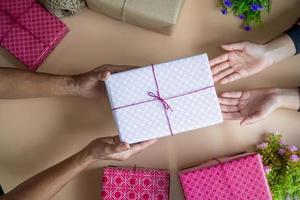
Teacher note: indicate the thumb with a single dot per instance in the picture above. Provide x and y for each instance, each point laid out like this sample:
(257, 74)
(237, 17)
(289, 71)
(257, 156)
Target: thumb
(117, 148)
(234, 46)
(102, 75)
(92, 78)
(258, 116)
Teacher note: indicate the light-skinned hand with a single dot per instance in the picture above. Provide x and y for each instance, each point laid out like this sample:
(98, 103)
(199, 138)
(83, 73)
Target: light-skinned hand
(241, 60)
(249, 106)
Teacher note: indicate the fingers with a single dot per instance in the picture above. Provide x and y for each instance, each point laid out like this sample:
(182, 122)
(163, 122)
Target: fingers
(234, 46)
(246, 95)
(108, 140)
(258, 116)
(97, 75)
(114, 145)
(219, 59)
(233, 94)
(222, 74)
(231, 112)
(117, 148)
(229, 101)
(103, 75)
(116, 139)
(220, 67)
(231, 77)
(117, 68)
(103, 72)
(232, 115)
(229, 108)
(228, 47)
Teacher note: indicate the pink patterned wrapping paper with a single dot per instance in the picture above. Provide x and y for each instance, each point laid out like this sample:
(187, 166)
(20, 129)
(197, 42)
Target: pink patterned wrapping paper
(28, 31)
(242, 178)
(135, 184)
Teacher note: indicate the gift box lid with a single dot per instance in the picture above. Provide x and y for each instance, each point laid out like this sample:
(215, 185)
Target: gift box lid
(187, 99)
(5, 24)
(28, 31)
(135, 183)
(16, 7)
(36, 20)
(242, 178)
(157, 15)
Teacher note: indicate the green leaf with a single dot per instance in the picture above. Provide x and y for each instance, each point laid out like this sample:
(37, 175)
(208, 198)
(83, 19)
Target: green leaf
(284, 178)
(243, 7)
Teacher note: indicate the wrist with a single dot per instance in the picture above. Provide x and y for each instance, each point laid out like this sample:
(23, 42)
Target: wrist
(269, 54)
(279, 49)
(86, 157)
(288, 98)
(68, 86)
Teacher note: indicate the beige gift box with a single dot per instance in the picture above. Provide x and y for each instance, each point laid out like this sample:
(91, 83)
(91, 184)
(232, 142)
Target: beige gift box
(157, 15)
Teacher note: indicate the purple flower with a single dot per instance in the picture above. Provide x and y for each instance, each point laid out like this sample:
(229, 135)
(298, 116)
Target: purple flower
(267, 169)
(294, 158)
(292, 148)
(227, 3)
(242, 16)
(281, 152)
(263, 145)
(282, 142)
(256, 7)
(247, 28)
(224, 11)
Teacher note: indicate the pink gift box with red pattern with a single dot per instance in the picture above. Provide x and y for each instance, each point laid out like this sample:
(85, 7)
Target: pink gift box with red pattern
(235, 178)
(135, 184)
(28, 31)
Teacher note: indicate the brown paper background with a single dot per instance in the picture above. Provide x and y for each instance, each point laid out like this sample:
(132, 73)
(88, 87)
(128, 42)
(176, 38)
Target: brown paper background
(37, 133)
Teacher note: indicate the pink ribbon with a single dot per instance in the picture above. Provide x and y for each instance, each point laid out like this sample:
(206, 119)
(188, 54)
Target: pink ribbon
(157, 97)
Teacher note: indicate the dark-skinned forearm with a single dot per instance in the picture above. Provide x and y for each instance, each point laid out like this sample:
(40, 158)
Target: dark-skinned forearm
(17, 83)
(44, 185)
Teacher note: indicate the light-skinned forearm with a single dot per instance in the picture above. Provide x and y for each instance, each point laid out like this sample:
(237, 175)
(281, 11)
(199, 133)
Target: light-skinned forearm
(288, 98)
(46, 184)
(280, 48)
(17, 83)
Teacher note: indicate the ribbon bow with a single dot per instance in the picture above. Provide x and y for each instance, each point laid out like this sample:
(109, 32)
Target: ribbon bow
(159, 98)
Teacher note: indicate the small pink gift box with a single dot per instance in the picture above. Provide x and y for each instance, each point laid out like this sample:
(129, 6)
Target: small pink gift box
(28, 31)
(135, 184)
(235, 178)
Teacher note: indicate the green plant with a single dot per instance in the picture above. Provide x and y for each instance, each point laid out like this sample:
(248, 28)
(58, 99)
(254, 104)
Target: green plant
(247, 10)
(282, 167)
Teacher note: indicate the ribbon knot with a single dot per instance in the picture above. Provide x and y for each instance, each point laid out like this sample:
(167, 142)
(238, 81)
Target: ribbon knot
(159, 98)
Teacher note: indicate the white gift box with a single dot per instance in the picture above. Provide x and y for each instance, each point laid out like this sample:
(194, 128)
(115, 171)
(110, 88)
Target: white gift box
(163, 99)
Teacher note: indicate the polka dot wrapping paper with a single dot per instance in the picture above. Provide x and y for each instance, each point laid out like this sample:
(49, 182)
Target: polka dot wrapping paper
(28, 31)
(164, 99)
(242, 178)
(135, 184)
